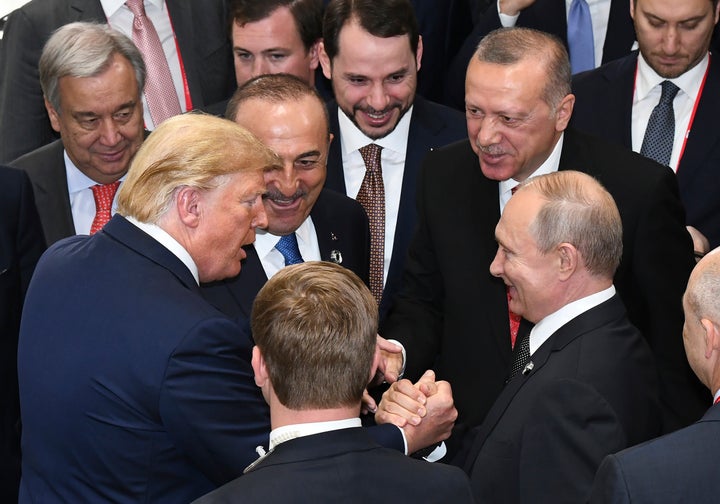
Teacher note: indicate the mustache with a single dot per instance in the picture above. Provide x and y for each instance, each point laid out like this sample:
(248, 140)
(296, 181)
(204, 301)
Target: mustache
(492, 150)
(275, 195)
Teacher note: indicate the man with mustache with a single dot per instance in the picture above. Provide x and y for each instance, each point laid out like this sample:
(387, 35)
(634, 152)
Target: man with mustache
(372, 51)
(616, 102)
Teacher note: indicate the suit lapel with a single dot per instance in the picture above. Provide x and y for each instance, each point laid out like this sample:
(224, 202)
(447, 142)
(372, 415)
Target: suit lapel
(703, 138)
(335, 176)
(575, 328)
(51, 193)
(620, 81)
(84, 10)
(620, 34)
(180, 13)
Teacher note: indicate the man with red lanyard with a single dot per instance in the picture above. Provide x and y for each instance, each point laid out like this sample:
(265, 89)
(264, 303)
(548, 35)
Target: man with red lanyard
(663, 102)
(192, 37)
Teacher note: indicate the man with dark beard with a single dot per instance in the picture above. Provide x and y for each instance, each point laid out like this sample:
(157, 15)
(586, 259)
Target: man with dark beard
(371, 51)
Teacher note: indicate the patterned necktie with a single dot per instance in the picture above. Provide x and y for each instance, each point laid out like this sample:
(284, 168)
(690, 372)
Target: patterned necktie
(104, 196)
(372, 197)
(660, 132)
(580, 37)
(288, 247)
(160, 91)
(521, 356)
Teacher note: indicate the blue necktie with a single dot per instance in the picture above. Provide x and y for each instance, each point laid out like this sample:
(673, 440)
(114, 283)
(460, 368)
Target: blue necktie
(288, 247)
(660, 133)
(580, 37)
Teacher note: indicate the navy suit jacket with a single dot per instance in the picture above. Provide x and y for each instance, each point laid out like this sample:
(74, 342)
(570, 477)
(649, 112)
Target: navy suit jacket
(342, 466)
(46, 168)
(431, 126)
(452, 313)
(545, 15)
(341, 226)
(200, 29)
(592, 391)
(21, 243)
(132, 387)
(678, 467)
(603, 107)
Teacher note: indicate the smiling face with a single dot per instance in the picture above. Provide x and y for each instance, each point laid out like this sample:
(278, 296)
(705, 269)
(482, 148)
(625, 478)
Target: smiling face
(297, 132)
(100, 120)
(531, 276)
(673, 36)
(374, 78)
(511, 127)
(230, 214)
(272, 45)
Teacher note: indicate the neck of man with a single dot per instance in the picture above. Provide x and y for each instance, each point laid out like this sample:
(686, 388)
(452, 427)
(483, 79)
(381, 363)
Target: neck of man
(281, 416)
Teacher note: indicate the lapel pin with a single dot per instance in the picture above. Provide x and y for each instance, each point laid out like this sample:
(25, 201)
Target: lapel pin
(336, 257)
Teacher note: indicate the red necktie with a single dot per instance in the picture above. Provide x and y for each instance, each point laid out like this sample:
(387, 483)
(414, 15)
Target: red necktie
(160, 91)
(514, 317)
(372, 197)
(104, 196)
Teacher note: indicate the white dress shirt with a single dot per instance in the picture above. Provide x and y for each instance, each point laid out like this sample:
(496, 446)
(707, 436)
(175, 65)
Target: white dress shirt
(647, 95)
(550, 165)
(392, 158)
(121, 19)
(288, 432)
(599, 13)
(82, 201)
(272, 260)
(550, 324)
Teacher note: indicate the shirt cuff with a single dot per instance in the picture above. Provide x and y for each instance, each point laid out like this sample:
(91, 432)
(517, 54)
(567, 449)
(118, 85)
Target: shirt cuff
(505, 20)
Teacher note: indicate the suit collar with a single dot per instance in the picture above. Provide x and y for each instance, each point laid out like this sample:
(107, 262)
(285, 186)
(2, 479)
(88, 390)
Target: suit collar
(134, 238)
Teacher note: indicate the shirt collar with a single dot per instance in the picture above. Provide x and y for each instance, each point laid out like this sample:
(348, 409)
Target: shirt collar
(170, 243)
(551, 323)
(288, 432)
(266, 241)
(550, 165)
(76, 180)
(352, 139)
(110, 7)
(689, 82)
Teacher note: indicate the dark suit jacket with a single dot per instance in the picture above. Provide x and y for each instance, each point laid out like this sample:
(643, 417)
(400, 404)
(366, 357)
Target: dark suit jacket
(678, 467)
(132, 387)
(46, 168)
(21, 243)
(200, 28)
(452, 314)
(341, 225)
(545, 15)
(342, 466)
(431, 126)
(604, 108)
(592, 391)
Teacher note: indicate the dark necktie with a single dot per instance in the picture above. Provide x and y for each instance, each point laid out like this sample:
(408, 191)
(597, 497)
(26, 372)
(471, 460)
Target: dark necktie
(104, 196)
(160, 91)
(288, 247)
(372, 197)
(660, 133)
(521, 356)
(580, 37)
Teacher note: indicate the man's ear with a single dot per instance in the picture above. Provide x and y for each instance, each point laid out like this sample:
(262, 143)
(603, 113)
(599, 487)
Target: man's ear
(259, 367)
(54, 116)
(563, 112)
(375, 364)
(568, 259)
(419, 53)
(712, 337)
(189, 205)
(314, 55)
(324, 60)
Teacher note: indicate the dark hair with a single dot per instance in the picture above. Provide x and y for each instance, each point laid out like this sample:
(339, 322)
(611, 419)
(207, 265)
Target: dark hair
(307, 15)
(274, 88)
(386, 18)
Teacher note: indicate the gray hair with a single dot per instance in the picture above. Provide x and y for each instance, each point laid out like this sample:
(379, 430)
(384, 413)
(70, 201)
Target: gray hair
(84, 50)
(578, 211)
(508, 46)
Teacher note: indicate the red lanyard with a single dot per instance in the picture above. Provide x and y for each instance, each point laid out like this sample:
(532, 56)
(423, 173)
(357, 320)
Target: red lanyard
(694, 110)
